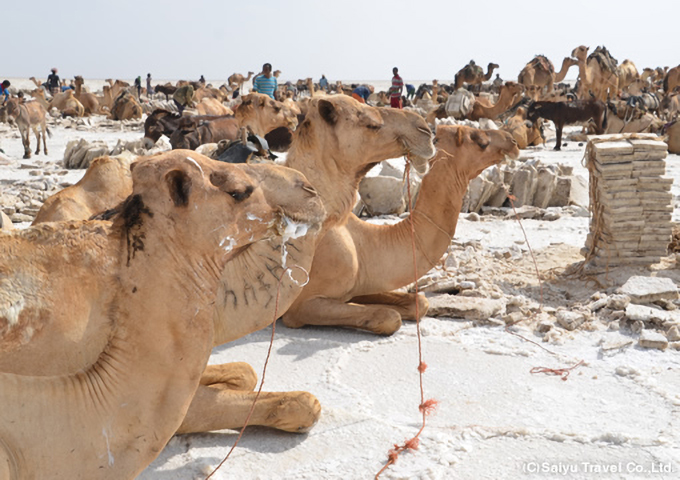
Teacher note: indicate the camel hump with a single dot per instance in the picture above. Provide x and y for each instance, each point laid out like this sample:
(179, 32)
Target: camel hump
(605, 59)
(542, 62)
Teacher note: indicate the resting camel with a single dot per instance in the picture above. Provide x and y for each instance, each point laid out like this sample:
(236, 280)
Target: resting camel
(209, 92)
(67, 104)
(627, 74)
(106, 183)
(236, 80)
(597, 73)
(541, 72)
(524, 132)
(100, 354)
(194, 131)
(89, 100)
(510, 94)
(262, 114)
(211, 106)
(29, 116)
(671, 80)
(567, 113)
(125, 107)
(473, 74)
(117, 86)
(357, 266)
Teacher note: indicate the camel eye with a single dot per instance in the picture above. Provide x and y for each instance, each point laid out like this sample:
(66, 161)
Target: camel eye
(240, 196)
(374, 127)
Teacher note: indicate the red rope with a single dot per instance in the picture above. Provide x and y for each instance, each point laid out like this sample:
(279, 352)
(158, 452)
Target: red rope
(564, 372)
(264, 372)
(426, 407)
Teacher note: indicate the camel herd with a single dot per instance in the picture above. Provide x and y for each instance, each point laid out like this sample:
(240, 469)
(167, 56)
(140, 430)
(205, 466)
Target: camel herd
(111, 302)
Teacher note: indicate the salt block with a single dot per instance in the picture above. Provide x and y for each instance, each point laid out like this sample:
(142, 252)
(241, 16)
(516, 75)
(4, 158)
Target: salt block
(470, 308)
(642, 313)
(649, 289)
(651, 339)
(570, 320)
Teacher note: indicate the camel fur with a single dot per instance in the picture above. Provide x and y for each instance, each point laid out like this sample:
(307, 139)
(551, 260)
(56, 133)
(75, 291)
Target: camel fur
(357, 266)
(541, 73)
(510, 94)
(594, 77)
(100, 354)
(524, 132)
(88, 100)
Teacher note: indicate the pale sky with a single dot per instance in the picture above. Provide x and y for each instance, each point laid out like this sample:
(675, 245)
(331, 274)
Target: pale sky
(346, 40)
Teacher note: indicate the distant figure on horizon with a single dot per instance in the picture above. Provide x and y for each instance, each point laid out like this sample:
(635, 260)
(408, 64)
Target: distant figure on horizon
(498, 81)
(149, 89)
(53, 82)
(323, 83)
(396, 89)
(202, 80)
(266, 83)
(362, 92)
(3, 90)
(138, 85)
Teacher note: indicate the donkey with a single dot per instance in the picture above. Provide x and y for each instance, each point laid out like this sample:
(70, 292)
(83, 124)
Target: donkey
(27, 116)
(568, 113)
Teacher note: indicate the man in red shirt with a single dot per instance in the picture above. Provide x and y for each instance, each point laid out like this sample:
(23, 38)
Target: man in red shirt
(396, 89)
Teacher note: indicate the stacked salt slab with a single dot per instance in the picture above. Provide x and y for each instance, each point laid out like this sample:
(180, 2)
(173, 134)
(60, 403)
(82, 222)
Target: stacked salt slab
(630, 200)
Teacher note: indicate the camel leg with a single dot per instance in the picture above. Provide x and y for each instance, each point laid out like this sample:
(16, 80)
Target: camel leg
(230, 376)
(403, 303)
(323, 311)
(558, 131)
(218, 409)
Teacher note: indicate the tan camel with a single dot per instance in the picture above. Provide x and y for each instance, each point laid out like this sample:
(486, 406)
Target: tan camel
(125, 107)
(262, 114)
(106, 183)
(627, 74)
(236, 80)
(673, 138)
(541, 72)
(524, 132)
(671, 80)
(89, 100)
(100, 355)
(212, 106)
(358, 266)
(117, 87)
(595, 77)
(509, 95)
(473, 74)
(67, 104)
(36, 82)
(39, 95)
(106, 99)
(210, 92)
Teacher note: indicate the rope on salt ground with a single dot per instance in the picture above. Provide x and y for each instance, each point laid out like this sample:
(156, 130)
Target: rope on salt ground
(426, 407)
(264, 368)
(563, 372)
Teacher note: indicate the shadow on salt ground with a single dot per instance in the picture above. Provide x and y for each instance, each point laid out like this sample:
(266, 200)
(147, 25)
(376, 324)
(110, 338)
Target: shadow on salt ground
(260, 440)
(303, 342)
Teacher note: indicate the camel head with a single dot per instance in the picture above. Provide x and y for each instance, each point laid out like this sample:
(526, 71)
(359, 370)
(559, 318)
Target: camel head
(349, 132)
(216, 210)
(580, 53)
(263, 114)
(513, 88)
(79, 80)
(472, 150)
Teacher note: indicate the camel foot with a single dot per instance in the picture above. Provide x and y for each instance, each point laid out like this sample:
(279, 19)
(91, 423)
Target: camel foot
(295, 412)
(384, 322)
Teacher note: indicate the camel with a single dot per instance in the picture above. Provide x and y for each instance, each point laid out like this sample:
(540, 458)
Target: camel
(510, 94)
(67, 104)
(29, 116)
(671, 80)
(36, 82)
(473, 74)
(236, 80)
(39, 96)
(117, 86)
(541, 72)
(627, 73)
(89, 100)
(673, 137)
(597, 73)
(100, 355)
(212, 106)
(524, 132)
(358, 266)
(106, 183)
(568, 113)
(125, 107)
(209, 92)
(262, 114)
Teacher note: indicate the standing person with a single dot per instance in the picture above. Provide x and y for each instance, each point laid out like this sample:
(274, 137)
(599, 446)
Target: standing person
(396, 89)
(183, 97)
(202, 80)
(266, 82)
(149, 90)
(3, 90)
(138, 85)
(361, 93)
(323, 83)
(53, 82)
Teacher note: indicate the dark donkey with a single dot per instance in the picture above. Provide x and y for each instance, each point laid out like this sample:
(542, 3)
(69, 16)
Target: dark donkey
(569, 113)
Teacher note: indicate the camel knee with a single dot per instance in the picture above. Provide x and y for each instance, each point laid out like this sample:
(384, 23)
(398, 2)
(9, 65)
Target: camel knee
(230, 376)
(385, 321)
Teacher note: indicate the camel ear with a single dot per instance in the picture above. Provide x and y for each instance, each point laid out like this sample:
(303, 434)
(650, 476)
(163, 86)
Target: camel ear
(328, 112)
(179, 186)
(370, 118)
(459, 137)
(481, 138)
(262, 102)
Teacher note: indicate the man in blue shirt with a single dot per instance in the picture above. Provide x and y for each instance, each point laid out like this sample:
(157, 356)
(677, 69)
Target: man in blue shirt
(323, 83)
(362, 92)
(3, 90)
(266, 82)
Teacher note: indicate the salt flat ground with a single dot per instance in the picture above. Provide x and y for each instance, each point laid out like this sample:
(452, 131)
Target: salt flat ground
(616, 416)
